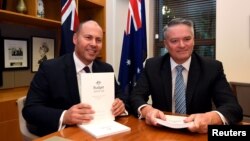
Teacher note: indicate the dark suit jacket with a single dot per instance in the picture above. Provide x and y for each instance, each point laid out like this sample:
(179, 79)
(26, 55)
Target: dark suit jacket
(53, 89)
(206, 83)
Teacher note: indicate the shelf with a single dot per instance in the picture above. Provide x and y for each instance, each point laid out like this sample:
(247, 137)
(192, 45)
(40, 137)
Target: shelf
(9, 16)
(87, 10)
(91, 3)
(92, 10)
(99, 2)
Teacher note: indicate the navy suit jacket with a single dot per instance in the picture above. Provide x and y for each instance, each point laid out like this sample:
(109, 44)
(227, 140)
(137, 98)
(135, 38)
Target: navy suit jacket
(206, 84)
(54, 89)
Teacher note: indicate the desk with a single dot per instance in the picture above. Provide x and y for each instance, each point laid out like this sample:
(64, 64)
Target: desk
(9, 124)
(139, 131)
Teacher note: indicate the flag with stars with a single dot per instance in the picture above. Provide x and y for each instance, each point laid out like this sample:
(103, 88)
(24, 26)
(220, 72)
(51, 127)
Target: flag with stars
(70, 22)
(134, 48)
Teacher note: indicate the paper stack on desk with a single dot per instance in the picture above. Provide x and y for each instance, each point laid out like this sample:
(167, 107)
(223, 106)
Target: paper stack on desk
(104, 129)
(97, 90)
(176, 122)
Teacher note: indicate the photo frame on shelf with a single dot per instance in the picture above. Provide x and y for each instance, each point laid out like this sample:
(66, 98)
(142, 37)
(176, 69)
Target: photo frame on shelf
(42, 49)
(15, 53)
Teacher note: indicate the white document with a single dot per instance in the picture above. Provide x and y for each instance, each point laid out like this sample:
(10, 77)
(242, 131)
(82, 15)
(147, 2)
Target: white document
(104, 129)
(97, 90)
(172, 121)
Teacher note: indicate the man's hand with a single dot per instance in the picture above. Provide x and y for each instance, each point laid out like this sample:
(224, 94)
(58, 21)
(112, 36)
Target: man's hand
(201, 121)
(77, 114)
(151, 113)
(118, 107)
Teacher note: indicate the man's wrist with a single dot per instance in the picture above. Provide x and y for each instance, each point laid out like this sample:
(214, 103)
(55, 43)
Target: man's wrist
(145, 110)
(216, 118)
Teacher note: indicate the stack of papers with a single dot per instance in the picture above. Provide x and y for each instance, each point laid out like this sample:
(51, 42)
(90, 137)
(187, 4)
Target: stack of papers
(104, 129)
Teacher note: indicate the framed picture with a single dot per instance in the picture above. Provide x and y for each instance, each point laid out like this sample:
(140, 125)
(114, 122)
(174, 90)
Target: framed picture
(42, 50)
(15, 53)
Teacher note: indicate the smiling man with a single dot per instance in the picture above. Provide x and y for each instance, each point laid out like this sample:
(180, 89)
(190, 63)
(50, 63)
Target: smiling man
(53, 100)
(183, 82)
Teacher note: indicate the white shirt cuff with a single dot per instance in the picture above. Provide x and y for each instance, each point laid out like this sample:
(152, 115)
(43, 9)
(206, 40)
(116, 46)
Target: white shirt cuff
(125, 113)
(61, 126)
(140, 116)
(224, 120)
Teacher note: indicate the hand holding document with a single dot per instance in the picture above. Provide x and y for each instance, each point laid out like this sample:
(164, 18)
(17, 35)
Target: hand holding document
(173, 121)
(97, 90)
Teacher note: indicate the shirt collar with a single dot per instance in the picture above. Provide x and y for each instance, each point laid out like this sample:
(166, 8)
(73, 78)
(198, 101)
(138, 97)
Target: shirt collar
(186, 64)
(79, 64)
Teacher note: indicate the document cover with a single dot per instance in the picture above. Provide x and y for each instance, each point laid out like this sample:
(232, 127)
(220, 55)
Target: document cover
(97, 90)
(172, 121)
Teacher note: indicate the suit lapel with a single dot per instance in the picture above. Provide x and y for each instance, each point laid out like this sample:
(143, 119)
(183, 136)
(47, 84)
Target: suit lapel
(95, 67)
(99, 66)
(167, 81)
(72, 84)
(193, 77)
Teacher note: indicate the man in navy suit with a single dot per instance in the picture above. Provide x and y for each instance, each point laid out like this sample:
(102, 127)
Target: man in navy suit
(53, 100)
(204, 81)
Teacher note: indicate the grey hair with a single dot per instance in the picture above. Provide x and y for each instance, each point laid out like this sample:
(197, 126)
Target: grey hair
(178, 21)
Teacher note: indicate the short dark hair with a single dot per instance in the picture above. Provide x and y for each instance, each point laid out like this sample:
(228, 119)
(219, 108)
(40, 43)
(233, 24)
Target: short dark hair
(177, 21)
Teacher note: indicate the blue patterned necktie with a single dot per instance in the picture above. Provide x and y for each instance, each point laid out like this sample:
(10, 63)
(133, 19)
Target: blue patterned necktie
(180, 98)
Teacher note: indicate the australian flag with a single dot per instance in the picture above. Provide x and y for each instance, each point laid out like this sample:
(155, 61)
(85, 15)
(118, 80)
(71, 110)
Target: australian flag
(134, 48)
(70, 22)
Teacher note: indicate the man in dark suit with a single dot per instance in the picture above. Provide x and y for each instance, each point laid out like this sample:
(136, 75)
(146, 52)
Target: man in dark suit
(53, 100)
(204, 83)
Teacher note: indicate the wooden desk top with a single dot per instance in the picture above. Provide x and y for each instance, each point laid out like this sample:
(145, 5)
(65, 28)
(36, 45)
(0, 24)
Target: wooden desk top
(139, 131)
(13, 93)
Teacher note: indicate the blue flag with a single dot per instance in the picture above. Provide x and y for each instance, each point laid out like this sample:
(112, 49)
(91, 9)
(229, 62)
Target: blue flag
(70, 22)
(134, 48)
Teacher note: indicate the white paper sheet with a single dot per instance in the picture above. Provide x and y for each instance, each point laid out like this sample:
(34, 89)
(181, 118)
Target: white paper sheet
(176, 122)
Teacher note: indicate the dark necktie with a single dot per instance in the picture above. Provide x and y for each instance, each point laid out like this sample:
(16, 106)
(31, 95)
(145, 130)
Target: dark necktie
(180, 98)
(86, 69)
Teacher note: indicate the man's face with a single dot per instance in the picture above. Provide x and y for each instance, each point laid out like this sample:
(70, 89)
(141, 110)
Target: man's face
(180, 42)
(88, 42)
